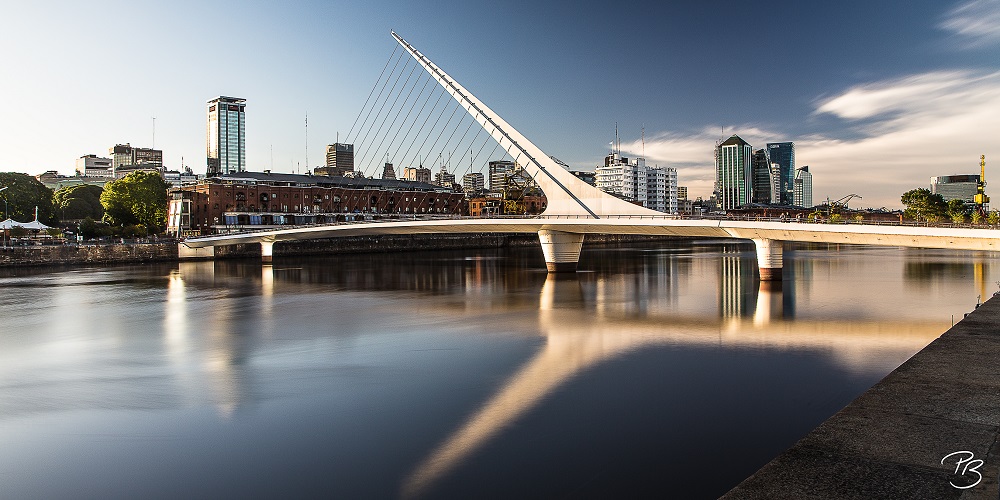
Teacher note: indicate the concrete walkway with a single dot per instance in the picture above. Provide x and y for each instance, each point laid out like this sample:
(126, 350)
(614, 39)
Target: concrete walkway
(889, 443)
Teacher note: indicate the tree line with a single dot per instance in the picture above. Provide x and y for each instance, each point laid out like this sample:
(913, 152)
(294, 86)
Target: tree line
(922, 205)
(135, 205)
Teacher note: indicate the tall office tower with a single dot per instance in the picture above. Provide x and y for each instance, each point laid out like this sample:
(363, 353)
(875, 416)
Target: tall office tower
(499, 171)
(225, 137)
(389, 172)
(956, 187)
(803, 187)
(682, 193)
(473, 182)
(760, 166)
(732, 173)
(339, 159)
(783, 153)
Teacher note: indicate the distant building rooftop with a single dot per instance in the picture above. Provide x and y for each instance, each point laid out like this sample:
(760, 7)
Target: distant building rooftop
(328, 181)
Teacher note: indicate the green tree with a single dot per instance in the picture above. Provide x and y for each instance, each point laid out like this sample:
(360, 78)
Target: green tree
(22, 195)
(993, 218)
(922, 205)
(137, 198)
(958, 211)
(79, 202)
(977, 218)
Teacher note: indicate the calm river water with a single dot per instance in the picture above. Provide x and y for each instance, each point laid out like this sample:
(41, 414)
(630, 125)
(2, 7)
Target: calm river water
(659, 370)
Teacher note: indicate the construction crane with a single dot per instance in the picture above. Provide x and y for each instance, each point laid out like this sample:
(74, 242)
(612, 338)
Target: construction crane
(981, 199)
(841, 203)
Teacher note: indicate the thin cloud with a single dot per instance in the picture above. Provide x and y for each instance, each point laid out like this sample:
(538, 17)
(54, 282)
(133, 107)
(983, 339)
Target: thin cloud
(893, 136)
(976, 21)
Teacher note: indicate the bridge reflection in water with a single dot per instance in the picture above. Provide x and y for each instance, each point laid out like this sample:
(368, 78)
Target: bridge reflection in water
(574, 344)
(585, 319)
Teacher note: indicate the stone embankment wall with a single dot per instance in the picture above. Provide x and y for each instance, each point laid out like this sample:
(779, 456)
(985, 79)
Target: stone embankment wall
(167, 251)
(86, 254)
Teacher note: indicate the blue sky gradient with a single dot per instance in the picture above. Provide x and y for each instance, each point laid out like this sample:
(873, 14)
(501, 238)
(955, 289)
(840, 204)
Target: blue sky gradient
(878, 96)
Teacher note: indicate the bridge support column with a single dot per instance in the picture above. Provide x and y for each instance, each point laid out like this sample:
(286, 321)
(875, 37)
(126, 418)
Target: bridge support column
(769, 254)
(266, 251)
(561, 250)
(185, 252)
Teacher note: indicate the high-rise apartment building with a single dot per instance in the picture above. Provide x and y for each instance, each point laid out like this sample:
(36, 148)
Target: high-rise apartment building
(225, 137)
(499, 171)
(339, 159)
(649, 186)
(473, 182)
(803, 187)
(733, 180)
(783, 153)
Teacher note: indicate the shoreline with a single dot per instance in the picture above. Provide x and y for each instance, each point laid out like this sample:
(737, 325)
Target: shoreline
(166, 251)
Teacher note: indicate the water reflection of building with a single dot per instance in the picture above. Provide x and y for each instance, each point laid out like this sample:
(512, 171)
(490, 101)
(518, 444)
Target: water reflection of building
(737, 282)
(213, 338)
(579, 335)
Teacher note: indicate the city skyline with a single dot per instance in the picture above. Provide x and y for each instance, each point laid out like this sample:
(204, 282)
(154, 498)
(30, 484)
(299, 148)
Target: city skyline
(888, 94)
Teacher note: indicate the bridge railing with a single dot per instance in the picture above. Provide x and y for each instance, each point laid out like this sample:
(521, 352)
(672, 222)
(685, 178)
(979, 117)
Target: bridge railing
(237, 230)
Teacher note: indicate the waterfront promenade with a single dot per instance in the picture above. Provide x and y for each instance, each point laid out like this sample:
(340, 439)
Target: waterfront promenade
(890, 442)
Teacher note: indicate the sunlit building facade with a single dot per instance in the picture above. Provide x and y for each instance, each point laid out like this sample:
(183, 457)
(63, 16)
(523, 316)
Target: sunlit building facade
(225, 141)
(783, 153)
(803, 187)
(733, 180)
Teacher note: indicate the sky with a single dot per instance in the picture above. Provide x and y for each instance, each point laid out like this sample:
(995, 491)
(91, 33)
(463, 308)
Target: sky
(877, 96)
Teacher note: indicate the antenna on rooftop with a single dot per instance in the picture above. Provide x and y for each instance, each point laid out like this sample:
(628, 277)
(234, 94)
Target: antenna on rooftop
(643, 141)
(307, 139)
(154, 133)
(618, 142)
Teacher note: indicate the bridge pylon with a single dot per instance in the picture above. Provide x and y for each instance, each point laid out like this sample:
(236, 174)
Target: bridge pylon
(561, 250)
(769, 258)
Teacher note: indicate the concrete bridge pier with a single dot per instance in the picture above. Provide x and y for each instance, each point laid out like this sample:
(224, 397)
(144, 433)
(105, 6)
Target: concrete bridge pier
(185, 252)
(266, 251)
(769, 256)
(561, 250)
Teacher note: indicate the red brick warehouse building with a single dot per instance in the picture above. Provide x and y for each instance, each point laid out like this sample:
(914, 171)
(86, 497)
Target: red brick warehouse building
(263, 198)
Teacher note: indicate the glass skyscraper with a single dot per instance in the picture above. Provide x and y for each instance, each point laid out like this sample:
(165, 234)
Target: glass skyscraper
(783, 153)
(225, 138)
(733, 180)
(803, 188)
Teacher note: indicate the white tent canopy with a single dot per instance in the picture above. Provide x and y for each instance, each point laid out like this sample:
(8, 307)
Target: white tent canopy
(33, 225)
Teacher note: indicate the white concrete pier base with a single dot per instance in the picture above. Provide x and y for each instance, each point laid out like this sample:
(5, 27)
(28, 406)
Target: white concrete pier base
(769, 254)
(266, 251)
(185, 252)
(561, 250)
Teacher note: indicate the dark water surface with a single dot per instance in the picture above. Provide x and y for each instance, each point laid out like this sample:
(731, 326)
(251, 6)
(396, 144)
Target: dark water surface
(659, 370)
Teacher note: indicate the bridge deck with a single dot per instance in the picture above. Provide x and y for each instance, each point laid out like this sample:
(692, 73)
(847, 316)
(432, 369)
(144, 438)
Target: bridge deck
(864, 234)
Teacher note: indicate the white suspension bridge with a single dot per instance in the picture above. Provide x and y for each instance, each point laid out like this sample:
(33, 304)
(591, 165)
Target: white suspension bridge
(576, 208)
